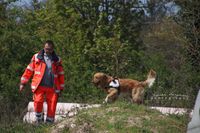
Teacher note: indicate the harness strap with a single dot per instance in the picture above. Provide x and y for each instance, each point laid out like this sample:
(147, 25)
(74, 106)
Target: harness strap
(114, 84)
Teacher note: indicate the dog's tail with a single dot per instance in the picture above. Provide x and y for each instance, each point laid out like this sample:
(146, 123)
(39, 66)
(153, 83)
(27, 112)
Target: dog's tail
(150, 78)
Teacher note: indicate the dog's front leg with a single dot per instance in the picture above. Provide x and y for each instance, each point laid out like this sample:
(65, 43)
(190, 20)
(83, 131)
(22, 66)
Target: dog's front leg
(106, 99)
(111, 93)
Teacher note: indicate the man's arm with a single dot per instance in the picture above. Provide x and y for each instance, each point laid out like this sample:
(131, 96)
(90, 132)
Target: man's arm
(61, 77)
(27, 74)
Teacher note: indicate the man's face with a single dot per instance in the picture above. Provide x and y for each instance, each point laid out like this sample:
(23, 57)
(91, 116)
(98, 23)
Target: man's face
(48, 49)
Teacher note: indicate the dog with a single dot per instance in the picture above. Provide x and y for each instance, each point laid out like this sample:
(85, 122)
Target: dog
(115, 86)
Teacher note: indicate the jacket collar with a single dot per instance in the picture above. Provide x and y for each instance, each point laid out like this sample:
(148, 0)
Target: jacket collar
(40, 56)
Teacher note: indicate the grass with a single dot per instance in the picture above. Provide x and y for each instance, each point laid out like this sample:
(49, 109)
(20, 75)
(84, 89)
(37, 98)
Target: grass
(118, 117)
(19, 127)
(126, 117)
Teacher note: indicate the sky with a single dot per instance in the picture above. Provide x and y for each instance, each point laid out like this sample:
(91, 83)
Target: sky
(24, 2)
(171, 6)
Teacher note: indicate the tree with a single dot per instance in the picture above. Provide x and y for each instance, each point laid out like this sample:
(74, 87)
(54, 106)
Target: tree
(117, 46)
(189, 18)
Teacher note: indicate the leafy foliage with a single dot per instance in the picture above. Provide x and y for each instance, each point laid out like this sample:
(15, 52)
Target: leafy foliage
(189, 21)
(90, 36)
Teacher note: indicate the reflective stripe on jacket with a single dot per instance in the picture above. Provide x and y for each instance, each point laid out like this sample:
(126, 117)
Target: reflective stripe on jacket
(37, 69)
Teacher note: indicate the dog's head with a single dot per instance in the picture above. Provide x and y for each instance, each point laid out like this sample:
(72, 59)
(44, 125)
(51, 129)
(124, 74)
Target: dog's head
(100, 80)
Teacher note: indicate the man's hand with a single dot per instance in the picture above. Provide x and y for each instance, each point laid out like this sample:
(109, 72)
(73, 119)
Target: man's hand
(21, 87)
(58, 92)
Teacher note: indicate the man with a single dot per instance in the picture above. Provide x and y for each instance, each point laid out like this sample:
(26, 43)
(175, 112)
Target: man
(48, 80)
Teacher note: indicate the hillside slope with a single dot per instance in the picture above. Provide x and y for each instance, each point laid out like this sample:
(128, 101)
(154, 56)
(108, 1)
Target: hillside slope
(121, 117)
(118, 117)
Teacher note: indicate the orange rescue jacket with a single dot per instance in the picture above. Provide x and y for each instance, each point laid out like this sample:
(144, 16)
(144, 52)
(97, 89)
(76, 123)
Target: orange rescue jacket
(37, 69)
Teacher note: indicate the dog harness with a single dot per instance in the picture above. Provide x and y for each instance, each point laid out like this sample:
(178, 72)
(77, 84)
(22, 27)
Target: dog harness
(114, 84)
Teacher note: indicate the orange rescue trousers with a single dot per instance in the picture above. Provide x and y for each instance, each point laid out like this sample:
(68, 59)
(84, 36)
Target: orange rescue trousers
(51, 99)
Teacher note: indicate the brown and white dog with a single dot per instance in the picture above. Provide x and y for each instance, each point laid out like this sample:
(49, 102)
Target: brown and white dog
(134, 88)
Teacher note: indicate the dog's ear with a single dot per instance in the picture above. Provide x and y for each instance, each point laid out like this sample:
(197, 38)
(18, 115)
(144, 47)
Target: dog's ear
(103, 76)
(103, 80)
(99, 76)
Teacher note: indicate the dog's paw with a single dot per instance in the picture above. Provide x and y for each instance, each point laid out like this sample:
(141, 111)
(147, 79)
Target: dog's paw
(104, 103)
(106, 100)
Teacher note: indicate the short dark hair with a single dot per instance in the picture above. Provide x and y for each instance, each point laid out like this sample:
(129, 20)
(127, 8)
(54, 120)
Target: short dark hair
(49, 42)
